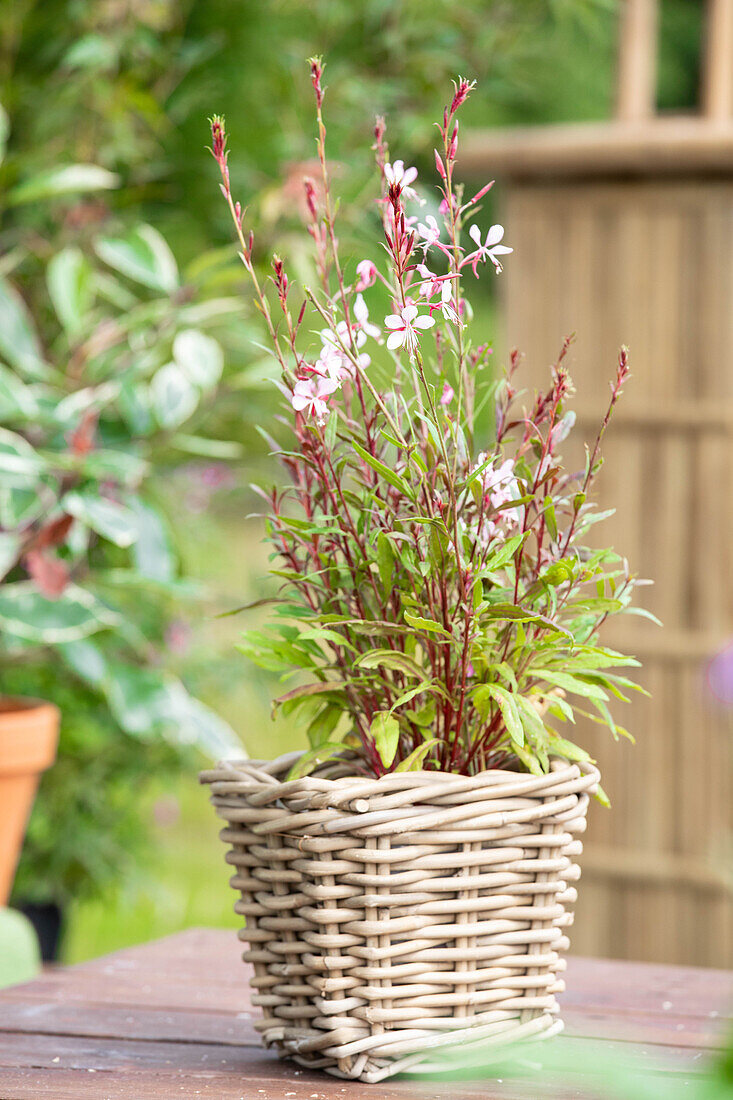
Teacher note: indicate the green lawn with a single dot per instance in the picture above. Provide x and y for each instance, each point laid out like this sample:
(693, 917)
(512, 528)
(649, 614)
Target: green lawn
(186, 884)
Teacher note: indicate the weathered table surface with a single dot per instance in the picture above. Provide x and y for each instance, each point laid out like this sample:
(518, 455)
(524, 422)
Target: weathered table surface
(173, 1018)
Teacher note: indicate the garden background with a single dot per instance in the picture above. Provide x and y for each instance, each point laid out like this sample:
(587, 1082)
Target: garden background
(121, 837)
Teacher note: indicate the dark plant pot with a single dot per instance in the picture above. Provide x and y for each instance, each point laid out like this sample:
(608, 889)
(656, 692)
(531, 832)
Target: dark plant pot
(47, 919)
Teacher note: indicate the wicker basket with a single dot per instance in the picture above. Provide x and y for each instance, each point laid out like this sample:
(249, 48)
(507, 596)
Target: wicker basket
(390, 919)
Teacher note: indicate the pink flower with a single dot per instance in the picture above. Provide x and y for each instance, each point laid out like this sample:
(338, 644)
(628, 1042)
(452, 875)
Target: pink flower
(429, 230)
(397, 175)
(430, 284)
(367, 272)
(178, 636)
(447, 395)
(500, 485)
(310, 395)
(404, 327)
(490, 249)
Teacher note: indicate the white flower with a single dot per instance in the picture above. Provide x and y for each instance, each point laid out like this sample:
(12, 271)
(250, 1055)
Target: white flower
(335, 364)
(367, 272)
(361, 318)
(490, 248)
(403, 327)
(310, 395)
(433, 284)
(447, 306)
(429, 230)
(397, 174)
(340, 338)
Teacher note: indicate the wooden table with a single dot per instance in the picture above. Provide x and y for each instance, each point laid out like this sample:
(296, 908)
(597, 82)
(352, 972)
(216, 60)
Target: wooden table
(173, 1019)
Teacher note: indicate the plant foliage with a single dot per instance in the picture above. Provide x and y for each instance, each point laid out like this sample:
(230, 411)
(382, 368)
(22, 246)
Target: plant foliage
(437, 591)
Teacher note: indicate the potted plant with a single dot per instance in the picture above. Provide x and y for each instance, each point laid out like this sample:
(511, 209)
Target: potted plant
(28, 734)
(110, 367)
(407, 881)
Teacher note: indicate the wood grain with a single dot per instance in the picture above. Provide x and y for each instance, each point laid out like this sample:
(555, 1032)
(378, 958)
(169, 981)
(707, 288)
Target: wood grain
(648, 263)
(174, 1018)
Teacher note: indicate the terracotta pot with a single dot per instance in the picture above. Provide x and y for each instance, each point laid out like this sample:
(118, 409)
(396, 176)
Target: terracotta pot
(29, 730)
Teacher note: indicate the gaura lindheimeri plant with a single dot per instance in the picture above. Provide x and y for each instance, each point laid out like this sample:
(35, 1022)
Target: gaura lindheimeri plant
(436, 588)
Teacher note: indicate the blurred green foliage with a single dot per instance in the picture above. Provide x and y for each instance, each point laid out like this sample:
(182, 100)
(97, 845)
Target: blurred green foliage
(129, 86)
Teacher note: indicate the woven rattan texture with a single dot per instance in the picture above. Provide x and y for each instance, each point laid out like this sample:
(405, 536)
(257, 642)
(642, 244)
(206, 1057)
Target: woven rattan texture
(389, 919)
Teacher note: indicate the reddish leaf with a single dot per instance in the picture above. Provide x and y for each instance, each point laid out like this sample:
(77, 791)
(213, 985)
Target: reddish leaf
(49, 574)
(81, 439)
(52, 534)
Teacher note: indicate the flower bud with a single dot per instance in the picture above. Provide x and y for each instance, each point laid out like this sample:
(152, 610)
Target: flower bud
(367, 275)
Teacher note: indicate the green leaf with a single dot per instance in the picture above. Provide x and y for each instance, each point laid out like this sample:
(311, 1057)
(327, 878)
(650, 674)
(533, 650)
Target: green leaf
(200, 358)
(548, 510)
(311, 689)
(174, 396)
(534, 727)
(385, 730)
(222, 449)
(70, 287)
(118, 466)
(149, 701)
(17, 399)
(191, 722)
(20, 463)
(529, 759)
(151, 550)
(509, 611)
(411, 693)
(392, 659)
(557, 573)
(4, 131)
(310, 760)
(143, 256)
(19, 344)
(385, 562)
(504, 553)
(28, 614)
(570, 683)
(430, 625)
(567, 749)
(389, 475)
(643, 614)
(109, 519)
(86, 659)
(71, 179)
(321, 728)
(10, 546)
(507, 705)
(414, 762)
(92, 51)
(601, 796)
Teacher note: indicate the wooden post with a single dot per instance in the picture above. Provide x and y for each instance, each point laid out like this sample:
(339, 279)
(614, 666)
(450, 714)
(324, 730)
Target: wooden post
(637, 61)
(717, 90)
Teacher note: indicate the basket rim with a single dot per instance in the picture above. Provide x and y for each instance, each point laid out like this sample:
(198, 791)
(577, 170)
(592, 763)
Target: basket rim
(266, 778)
